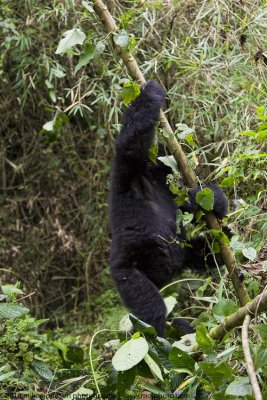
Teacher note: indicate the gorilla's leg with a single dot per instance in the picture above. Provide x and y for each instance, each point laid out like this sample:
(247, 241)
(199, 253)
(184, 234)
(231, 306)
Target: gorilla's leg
(141, 296)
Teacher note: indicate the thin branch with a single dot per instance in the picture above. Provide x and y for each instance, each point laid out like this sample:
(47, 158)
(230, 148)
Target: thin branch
(176, 150)
(252, 308)
(249, 362)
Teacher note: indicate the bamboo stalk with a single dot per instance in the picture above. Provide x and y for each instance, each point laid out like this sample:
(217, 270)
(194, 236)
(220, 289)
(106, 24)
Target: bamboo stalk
(235, 320)
(177, 152)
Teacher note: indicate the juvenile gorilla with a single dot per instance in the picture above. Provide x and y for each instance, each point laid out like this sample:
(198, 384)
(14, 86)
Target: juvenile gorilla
(144, 256)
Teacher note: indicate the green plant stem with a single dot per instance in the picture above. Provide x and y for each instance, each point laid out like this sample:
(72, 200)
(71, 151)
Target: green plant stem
(252, 308)
(176, 150)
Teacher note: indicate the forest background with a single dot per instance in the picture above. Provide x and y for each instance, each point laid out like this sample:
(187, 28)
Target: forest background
(59, 116)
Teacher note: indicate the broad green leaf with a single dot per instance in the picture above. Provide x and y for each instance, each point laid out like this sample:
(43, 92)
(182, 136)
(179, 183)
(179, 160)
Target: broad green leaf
(182, 195)
(225, 308)
(10, 311)
(228, 182)
(130, 354)
(72, 38)
(163, 348)
(169, 161)
(42, 369)
(250, 253)
(181, 360)
(205, 198)
(260, 358)
(125, 323)
(85, 57)
(240, 387)
(154, 368)
(126, 379)
(217, 373)
(142, 326)
(262, 331)
(205, 342)
(49, 126)
(130, 91)
(11, 290)
(153, 389)
(121, 39)
(186, 343)
(170, 303)
(68, 374)
(74, 354)
(261, 136)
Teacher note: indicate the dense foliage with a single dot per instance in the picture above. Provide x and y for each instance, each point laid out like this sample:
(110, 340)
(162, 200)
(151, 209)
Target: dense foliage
(63, 90)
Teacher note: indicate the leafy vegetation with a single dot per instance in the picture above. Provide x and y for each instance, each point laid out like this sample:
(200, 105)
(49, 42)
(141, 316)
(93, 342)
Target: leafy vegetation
(62, 94)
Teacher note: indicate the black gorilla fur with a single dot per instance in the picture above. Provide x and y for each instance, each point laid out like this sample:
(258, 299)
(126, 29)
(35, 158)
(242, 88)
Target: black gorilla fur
(142, 213)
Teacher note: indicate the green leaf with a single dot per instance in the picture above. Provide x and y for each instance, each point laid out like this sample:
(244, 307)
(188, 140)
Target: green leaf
(42, 369)
(130, 91)
(152, 154)
(11, 290)
(205, 342)
(154, 368)
(67, 374)
(142, 326)
(225, 308)
(250, 253)
(261, 136)
(99, 49)
(181, 360)
(74, 354)
(6, 376)
(88, 5)
(85, 57)
(205, 198)
(125, 323)
(10, 311)
(169, 161)
(220, 235)
(130, 354)
(49, 126)
(217, 373)
(153, 389)
(186, 343)
(248, 133)
(262, 331)
(260, 358)
(126, 379)
(182, 195)
(227, 182)
(121, 39)
(201, 290)
(170, 303)
(72, 38)
(240, 387)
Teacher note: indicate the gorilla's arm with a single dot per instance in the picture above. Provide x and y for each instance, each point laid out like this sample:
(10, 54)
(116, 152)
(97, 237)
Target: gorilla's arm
(220, 201)
(136, 135)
